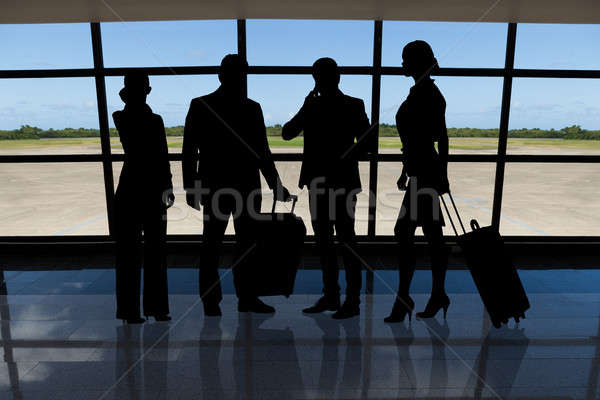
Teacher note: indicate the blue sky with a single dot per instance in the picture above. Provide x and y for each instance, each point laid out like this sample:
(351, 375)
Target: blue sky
(472, 102)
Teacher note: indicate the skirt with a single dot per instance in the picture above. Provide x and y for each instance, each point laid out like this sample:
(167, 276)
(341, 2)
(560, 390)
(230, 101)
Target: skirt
(421, 204)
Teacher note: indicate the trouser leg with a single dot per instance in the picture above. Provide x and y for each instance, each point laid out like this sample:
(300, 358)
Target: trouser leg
(209, 279)
(344, 224)
(128, 262)
(323, 229)
(156, 291)
(243, 277)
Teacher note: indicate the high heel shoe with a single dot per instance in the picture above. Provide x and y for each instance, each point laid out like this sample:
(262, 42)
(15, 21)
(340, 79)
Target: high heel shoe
(402, 307)
(435, 303)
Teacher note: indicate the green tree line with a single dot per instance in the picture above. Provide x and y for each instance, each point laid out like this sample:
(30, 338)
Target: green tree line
(574, 132)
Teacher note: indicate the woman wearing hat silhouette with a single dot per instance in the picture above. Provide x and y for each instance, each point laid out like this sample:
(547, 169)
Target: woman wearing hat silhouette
(421, 123)
(143, 195)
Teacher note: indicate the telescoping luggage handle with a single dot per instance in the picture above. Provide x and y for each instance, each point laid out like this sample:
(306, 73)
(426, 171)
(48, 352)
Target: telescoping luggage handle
(457, 214)
(294, 200)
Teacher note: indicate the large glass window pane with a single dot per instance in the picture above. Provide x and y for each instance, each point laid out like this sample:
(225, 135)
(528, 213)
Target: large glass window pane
(472, 187)
(554, 116)
(45, 46)
(557, 46)
(52, 199)
(285, 42)
(168, 43)
(49, 116)
(281, 96)
(551, 199)
(170, 97)
(455, 44)
(472, 112)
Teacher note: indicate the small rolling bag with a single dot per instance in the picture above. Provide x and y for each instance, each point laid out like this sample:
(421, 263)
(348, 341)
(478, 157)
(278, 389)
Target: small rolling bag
(492, 270)
(278, 252)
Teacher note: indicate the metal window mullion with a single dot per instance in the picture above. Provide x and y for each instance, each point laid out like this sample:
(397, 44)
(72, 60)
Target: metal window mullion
(241, 47)
(504, 117)
(375, 107)
(109, 187)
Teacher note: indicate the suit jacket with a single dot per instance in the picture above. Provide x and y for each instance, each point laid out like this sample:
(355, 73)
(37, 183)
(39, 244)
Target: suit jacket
(146, 165)
(225, 145)
(421, 122)
(336, 133)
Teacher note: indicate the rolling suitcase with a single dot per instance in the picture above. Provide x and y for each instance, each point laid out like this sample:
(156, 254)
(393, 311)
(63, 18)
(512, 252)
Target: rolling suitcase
(492, 270)
(278, 252)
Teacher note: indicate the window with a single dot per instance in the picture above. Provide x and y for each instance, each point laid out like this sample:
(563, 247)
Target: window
(557, 46)
(49, 116)
(52, 199)
(455, 44)
(46, 46)
(285, 42)
(554, 116)
(167, 43)
(551, 199)
(57, 117)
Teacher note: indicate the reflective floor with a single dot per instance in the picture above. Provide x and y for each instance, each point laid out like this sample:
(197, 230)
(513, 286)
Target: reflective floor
(65, 344)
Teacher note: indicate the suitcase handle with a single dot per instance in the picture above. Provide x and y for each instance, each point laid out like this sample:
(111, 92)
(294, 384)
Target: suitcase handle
(450, 217)
(294, 200)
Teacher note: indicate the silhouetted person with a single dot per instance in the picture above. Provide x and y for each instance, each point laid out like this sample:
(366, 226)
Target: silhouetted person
(421, 123)
(224, 150)
(336, 131)
(143, 195)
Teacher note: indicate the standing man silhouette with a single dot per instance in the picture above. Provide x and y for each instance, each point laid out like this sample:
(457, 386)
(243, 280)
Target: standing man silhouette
(224, 150)
(336, 131)
(143, 195)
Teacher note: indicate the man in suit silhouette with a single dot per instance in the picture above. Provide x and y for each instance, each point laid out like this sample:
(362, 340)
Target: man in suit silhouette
(224, 149)
(336, 131)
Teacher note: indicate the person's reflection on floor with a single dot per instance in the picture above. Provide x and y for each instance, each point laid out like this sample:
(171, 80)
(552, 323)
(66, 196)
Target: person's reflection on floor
(352, 373)
(404, 337)
(330, 353)
(128, 350)
(156, 357)
(265, 361)
(148, 344)
(350, 383)
(209, 350)
(439, 334)
(508, 345)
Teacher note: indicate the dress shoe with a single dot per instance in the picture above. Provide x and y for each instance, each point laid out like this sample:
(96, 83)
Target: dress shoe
(348, 310)
(324, 304)
(255, 305)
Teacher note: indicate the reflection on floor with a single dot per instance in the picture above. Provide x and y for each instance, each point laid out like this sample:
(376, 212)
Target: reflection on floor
(61, 342)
